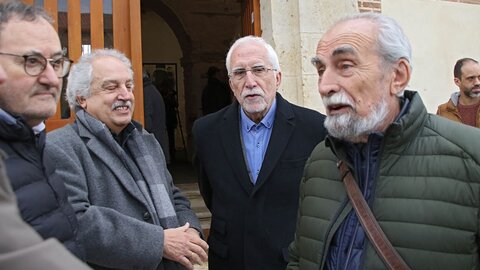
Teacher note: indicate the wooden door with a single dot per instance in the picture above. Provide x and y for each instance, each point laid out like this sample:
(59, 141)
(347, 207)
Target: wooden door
(251, 18)
(87, 25)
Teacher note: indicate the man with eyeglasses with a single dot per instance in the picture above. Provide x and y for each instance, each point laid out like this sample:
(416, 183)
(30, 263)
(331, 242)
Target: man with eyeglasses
(20, 246)
(31, 56)
(249, 159)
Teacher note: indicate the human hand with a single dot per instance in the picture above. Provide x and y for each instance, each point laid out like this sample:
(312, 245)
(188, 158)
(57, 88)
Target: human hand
(198, 246)
(184, 245)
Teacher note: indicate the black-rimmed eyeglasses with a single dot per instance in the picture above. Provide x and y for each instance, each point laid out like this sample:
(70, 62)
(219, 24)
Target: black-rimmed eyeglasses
(35, 64)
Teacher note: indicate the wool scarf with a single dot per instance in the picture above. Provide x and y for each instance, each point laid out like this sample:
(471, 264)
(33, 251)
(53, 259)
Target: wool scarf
(149, 176)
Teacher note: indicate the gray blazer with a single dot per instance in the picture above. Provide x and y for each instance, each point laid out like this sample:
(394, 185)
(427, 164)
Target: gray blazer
(115, 223)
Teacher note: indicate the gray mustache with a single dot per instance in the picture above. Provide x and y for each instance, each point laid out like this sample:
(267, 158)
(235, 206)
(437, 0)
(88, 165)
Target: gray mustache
(117, 104)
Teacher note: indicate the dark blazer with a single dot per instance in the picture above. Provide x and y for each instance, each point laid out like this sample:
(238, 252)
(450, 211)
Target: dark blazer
(252, 226)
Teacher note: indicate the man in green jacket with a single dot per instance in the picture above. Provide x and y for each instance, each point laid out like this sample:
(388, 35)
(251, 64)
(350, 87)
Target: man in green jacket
(419, 173)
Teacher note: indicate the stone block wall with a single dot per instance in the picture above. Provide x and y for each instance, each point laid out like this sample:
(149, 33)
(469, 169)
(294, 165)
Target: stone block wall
(465, 1)
(370, 5)
(376, 5)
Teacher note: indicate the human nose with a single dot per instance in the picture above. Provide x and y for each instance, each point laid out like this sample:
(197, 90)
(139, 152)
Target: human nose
(476, 81)
(49, 76)
(327, 83)
(250, 79)
(124, 93)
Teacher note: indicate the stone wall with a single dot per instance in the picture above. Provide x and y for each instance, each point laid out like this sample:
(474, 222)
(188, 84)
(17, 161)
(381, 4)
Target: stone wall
(293, 28)
(376, 5)
(370, 5)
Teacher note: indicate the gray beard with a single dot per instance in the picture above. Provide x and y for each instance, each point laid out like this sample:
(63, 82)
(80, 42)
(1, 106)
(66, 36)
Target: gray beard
(473, 95)
(351, 127)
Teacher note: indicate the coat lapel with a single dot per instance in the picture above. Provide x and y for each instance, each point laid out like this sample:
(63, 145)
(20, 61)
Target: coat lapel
(283, 128)
(232, 146)
(114, 163)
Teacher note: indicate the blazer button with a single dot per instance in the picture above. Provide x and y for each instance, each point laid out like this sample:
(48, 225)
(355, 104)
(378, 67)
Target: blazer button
(146, 216)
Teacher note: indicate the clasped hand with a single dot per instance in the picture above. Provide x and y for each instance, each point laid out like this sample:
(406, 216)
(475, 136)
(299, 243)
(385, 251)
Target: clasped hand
(184, 245)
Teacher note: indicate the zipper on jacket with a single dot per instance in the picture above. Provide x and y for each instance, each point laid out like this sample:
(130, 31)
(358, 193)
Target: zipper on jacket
(329, 232)
(349, 254)
(376, 172)
(362, 157)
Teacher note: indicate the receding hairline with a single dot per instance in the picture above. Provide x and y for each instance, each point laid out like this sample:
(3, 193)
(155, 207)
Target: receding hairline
(249, 43)
(16, 10)
(38, 22)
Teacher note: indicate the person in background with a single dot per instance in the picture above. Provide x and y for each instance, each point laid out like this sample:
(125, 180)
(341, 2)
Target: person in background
(216, 94)
(464, 105)
(33, 61)
(165, 85)
(154, 113)
(417, 172)
(249, 160)
(131, 216)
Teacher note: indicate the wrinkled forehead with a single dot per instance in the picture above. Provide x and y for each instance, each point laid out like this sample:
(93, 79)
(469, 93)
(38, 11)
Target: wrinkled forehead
(357, 35)
(107, 69)
(24, 36)
(250, 53)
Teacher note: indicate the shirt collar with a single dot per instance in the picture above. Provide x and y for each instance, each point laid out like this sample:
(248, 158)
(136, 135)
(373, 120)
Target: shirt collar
(38, 128)
(123, 136)
(267, 121)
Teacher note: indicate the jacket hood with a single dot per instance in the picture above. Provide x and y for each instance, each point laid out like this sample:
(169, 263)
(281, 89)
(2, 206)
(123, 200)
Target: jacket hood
(454, 98)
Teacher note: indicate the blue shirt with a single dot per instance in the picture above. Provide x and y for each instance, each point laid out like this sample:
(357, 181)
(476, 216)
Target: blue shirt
(255, 138)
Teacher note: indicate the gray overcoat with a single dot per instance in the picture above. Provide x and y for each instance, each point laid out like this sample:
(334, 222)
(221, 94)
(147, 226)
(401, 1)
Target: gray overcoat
(115, 221)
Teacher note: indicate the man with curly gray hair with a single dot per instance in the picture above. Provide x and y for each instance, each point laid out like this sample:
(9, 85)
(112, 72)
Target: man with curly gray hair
(131, 216)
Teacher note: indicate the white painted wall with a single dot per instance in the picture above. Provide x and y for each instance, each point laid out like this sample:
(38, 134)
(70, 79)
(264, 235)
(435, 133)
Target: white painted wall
(440, 32)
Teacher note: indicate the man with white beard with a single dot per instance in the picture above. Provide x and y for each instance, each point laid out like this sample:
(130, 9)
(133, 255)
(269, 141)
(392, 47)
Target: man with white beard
(249, 158)
(418, 174)
(464, 105)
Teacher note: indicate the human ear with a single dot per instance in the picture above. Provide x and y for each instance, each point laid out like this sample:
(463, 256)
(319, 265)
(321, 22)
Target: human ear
(401, 76)
(456, 81)
(82, 102)
(232, 87)
(278, 76)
